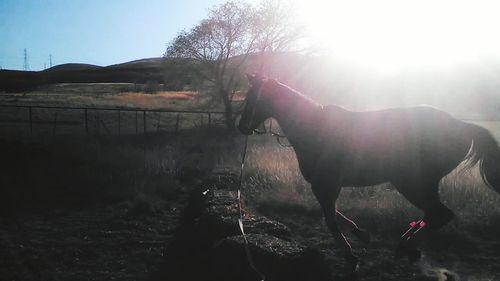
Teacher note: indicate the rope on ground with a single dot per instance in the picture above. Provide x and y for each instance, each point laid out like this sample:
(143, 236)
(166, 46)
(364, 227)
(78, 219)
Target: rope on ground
(240, 220)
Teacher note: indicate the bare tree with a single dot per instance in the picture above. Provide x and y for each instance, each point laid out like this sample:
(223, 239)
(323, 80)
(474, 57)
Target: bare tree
(277, 29)
(220, 45)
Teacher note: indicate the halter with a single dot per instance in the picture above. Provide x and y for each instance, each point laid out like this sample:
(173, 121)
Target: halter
(271, 132)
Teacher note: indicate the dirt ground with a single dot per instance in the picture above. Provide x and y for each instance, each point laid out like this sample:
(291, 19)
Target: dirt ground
(119, 242)
(468, 253)
(127, 241)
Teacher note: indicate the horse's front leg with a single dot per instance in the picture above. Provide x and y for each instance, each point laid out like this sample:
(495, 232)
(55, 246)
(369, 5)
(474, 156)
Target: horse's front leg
(327, 196)
(348, 225)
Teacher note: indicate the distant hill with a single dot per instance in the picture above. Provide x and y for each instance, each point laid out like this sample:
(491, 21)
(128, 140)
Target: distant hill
(149, 63)
(72, 67)
(19, 81)
(139, 71)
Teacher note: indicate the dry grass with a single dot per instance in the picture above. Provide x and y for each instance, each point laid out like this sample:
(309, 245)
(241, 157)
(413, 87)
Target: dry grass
(84, 170)
(272, 174)
(110, 95)
(146, 99)
(160, 99)
(15, 121)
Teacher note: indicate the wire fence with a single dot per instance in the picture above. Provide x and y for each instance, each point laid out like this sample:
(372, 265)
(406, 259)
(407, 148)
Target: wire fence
(39, 119)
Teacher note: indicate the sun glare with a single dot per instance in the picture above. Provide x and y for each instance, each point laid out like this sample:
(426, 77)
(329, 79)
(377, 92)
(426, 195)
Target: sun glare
(390, 35)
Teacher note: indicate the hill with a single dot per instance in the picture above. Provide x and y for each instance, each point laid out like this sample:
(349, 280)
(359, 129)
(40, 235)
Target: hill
(71, 67)
(139, 71)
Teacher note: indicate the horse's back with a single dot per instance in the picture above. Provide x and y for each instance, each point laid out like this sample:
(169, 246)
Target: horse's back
(380, 144)
(397, 124)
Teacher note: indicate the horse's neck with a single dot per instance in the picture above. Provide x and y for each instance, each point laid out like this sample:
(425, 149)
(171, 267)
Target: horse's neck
(296, 117)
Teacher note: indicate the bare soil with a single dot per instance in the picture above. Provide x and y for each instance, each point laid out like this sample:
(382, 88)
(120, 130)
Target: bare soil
(128, 241)
(462, 252)
(118, 242)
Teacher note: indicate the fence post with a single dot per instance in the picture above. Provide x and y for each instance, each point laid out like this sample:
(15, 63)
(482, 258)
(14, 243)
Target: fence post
(144, 120)
(177, 123)
(55, 124)
(98, 120)
(158, 122)
(119, 122)
(136, 122)
(86, 123)
(31, 120)
(209, 120)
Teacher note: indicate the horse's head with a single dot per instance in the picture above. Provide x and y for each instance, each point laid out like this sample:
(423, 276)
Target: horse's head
(257, 104)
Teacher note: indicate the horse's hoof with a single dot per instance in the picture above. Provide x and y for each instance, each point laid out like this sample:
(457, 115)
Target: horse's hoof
(351, 274)
(363, 235)
(352, 265)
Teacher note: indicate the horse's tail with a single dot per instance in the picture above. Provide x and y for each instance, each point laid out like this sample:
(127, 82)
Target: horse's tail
(485, 151)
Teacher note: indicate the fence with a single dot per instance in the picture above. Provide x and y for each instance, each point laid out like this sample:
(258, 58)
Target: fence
(96, 120)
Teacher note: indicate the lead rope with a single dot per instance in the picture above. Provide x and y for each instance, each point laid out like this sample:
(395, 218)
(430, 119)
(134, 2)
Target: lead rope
(272, 133)
(240, 220)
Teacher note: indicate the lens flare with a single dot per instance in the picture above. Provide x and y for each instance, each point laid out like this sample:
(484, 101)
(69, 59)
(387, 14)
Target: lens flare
(392, 34)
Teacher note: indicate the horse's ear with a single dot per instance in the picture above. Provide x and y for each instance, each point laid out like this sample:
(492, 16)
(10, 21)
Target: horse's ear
(250, 77)
(254, 79)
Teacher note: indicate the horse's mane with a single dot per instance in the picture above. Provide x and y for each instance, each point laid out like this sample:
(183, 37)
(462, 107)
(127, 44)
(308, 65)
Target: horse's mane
(291, 93)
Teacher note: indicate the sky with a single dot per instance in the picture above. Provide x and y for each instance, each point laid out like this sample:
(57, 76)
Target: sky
(101, 32)
(387, 35)
(390, 35)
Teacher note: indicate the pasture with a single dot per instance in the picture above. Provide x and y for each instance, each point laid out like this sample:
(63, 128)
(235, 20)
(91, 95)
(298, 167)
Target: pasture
(80, 206)
(110, 109)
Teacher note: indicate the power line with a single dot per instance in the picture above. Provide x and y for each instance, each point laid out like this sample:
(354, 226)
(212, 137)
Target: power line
(26, 65)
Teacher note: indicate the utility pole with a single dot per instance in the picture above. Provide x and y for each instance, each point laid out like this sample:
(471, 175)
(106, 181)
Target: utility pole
(50, 60)
(26, 65)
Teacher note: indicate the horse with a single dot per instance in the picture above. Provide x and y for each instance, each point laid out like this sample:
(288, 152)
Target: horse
(412, 148)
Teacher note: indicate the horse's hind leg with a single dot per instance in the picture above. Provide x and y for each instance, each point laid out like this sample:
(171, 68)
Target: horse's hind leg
(348, 225)
(424, 196)
(327, 196)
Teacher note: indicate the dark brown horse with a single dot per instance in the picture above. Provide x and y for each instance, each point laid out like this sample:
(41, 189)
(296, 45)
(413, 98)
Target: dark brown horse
(412, 148)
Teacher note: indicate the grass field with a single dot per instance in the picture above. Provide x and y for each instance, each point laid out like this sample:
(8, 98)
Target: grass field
(50, 121)
(78, 201)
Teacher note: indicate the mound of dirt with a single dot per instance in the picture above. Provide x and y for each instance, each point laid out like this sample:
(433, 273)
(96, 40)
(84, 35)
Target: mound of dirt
(209, 245)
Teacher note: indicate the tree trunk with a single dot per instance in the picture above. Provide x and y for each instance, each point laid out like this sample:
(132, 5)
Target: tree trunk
(228, 109)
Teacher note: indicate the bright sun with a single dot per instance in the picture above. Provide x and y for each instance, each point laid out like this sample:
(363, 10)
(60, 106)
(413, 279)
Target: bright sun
(390, 35)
